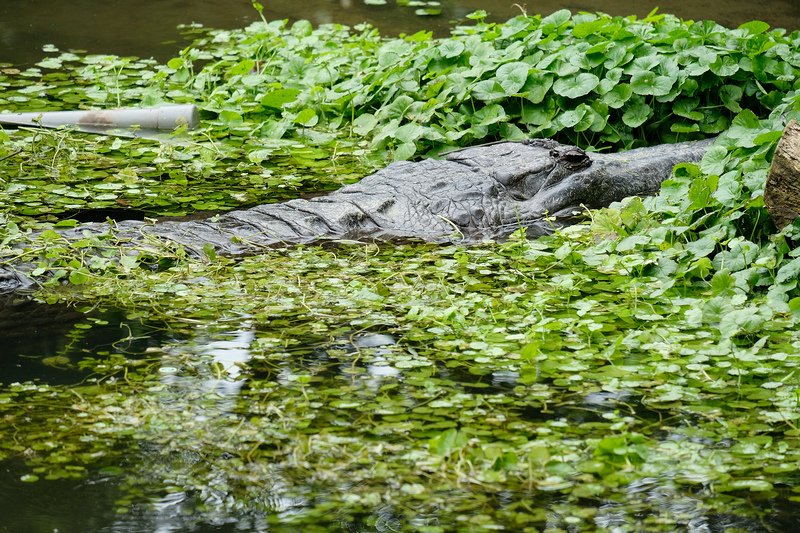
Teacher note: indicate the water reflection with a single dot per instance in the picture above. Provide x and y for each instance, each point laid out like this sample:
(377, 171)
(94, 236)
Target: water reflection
(226, 351)
(664, 497)
(155, 486)
(62, 505)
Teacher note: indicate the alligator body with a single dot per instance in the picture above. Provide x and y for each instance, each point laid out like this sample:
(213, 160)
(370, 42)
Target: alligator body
(483, 192)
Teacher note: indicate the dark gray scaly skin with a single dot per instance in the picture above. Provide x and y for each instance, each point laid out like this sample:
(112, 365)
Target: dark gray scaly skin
(483, 192)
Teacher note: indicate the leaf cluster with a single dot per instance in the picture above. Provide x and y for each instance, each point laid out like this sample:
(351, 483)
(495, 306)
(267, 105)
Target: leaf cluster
(590, 79)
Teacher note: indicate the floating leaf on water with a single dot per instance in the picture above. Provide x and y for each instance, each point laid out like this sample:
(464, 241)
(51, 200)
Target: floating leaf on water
(56, 360)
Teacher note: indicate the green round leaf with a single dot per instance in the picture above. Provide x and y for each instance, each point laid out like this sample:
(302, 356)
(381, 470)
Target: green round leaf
(755, 27)
(685, 107)
(724, 66)
(450, 48)
(537, 86)
(512, 77)
(302, 28)
(231, 119)
(569, 118)
(637, 114)
(488, 90)
(405, 151)
(489, 115)
(577, 85)
(617, 96)
(648, 83)
(305, 117)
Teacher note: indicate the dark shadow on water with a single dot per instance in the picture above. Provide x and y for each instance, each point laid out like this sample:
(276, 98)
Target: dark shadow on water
(100, 503)
(59, 505)
(43, 343)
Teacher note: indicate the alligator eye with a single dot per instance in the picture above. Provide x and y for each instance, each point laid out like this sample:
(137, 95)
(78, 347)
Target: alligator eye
(573, 158)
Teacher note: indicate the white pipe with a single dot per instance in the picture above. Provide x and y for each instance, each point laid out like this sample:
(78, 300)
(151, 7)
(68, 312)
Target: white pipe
(166, 117)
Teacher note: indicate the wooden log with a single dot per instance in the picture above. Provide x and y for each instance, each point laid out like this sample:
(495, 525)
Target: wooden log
(782, 191)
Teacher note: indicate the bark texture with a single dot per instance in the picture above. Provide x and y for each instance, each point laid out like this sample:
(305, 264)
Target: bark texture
(782, 191)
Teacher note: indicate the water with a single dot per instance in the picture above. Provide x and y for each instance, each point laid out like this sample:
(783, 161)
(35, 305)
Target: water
(200, 379)
(50, 354)
(172, 481)
(147, 28)
(43, 342)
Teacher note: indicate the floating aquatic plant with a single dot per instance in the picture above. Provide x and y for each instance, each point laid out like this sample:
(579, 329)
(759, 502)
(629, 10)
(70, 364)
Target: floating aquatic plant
(523, 385)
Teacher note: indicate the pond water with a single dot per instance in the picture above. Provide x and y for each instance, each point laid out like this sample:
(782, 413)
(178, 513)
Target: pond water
(244, 422)
(147, 28)
(166, 478)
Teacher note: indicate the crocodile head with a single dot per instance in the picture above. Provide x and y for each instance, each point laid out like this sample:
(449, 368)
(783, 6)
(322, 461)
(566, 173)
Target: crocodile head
(543, 183)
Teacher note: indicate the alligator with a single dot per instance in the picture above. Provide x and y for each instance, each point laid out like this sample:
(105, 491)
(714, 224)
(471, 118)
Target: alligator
(476, 193)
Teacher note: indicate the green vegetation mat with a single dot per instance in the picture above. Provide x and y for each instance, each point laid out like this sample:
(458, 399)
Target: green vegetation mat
(637, 371)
